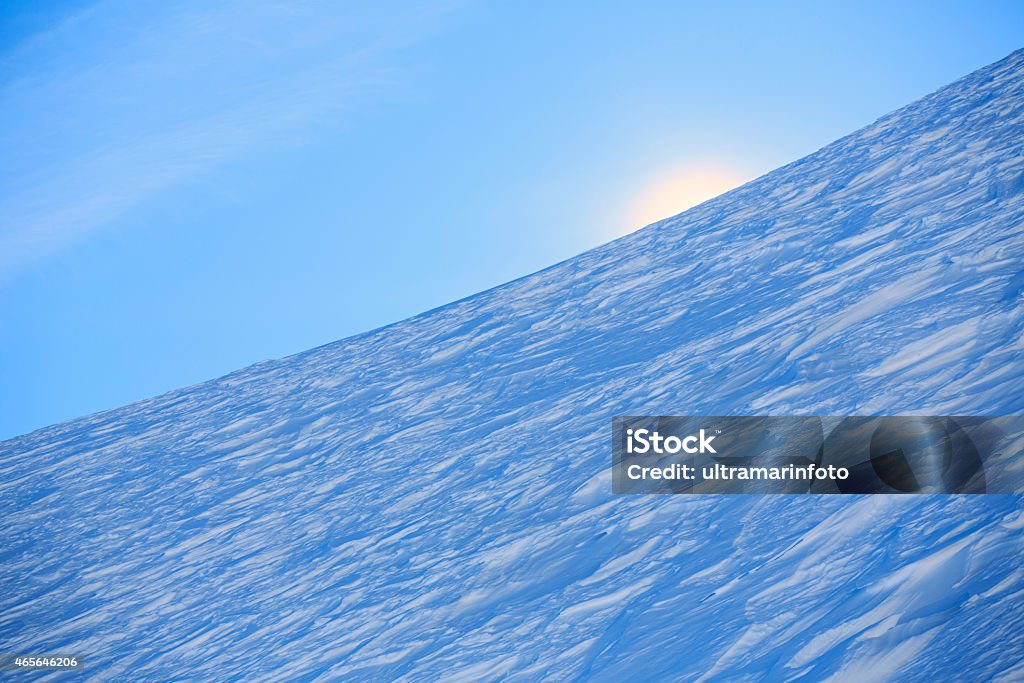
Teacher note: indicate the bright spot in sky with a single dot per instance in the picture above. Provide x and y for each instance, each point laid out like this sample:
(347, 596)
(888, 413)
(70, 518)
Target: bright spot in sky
(678, 189)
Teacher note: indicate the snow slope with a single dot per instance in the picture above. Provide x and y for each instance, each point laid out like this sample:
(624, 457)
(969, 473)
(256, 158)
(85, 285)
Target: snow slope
(432, 500)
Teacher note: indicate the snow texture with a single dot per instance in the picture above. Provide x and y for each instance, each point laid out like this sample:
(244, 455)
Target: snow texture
(432, 500)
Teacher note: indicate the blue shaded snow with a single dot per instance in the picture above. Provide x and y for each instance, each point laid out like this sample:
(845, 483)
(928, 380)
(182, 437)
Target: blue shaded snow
(431, 500)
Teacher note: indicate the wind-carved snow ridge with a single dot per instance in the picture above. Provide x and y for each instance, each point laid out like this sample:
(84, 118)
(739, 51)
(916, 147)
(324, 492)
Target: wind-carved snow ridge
(431, 500)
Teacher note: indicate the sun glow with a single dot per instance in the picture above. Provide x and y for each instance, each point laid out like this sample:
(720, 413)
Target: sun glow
(679, 189)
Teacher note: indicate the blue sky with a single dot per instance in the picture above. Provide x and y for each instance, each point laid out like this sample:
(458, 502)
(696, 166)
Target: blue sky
(191, 187)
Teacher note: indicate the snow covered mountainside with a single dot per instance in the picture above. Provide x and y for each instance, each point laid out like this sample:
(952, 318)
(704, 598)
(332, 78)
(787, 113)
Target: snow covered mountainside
(432, 500)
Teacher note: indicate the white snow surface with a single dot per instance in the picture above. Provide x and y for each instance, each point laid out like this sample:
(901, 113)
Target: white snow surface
(432, 500)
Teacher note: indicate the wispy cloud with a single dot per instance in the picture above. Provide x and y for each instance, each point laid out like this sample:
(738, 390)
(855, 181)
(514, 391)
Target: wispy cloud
(110, 109)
